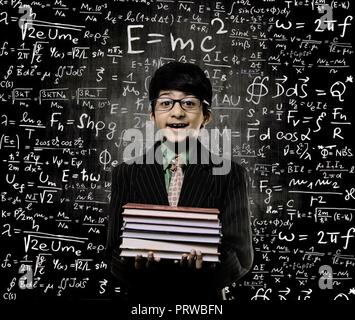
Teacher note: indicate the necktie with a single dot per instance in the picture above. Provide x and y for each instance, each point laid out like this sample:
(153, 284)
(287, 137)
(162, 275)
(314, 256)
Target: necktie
(175, 183)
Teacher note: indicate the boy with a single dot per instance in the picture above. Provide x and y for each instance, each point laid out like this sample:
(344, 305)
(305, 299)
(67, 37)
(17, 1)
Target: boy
(181, 96)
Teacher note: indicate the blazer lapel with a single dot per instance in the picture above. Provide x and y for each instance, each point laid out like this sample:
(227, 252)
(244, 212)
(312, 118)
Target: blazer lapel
(151, 184)
(150, 179)
(198, 181)
(196, 187)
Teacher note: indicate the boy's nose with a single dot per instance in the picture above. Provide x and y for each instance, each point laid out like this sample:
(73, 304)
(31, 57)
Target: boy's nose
(177, 110)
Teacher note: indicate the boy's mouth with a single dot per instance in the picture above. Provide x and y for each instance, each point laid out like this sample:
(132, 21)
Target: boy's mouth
(177, 125)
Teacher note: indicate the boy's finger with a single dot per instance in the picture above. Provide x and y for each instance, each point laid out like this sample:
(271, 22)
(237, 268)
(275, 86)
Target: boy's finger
(138, 262)
(150, 259)
(191, 259)
(199, 259)
(183, 261)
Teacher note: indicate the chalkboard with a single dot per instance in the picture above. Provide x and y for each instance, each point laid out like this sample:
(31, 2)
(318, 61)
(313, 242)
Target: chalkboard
(74, 77)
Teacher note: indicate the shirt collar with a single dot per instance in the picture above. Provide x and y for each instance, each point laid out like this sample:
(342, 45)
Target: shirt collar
(169, 155)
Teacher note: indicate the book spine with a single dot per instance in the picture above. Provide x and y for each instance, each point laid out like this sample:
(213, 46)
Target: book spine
(170, 208)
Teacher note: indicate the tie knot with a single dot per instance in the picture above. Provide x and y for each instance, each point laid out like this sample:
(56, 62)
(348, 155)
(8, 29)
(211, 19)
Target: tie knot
(175, 163)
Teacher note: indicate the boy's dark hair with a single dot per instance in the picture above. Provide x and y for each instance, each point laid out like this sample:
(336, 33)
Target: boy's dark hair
(186, 77)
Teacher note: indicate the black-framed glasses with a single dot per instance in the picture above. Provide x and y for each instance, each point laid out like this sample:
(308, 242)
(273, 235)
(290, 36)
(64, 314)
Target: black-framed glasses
(188, 104)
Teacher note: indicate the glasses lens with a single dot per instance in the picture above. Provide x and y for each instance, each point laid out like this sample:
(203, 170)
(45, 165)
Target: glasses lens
(190, 103)
(163, 103)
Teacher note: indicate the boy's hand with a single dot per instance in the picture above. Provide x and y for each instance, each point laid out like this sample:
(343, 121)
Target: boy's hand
(192, 260)
(149, 263)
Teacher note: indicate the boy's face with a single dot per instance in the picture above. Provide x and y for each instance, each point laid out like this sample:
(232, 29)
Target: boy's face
(177, 124)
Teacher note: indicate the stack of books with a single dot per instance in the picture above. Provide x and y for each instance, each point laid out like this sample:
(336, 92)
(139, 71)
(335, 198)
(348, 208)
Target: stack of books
(170, 231)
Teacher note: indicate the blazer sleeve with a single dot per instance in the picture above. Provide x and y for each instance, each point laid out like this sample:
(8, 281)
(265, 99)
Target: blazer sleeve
(236, 245)
(119, 186)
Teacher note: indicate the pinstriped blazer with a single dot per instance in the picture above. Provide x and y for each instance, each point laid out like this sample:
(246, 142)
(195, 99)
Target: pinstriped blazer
(140, 182)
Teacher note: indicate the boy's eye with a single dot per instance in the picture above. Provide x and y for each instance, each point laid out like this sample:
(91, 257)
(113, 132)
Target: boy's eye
(165, 102)
(191, 102)
(187, 102)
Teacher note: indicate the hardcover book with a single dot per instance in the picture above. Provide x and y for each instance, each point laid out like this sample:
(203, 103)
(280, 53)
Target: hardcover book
(170, 231)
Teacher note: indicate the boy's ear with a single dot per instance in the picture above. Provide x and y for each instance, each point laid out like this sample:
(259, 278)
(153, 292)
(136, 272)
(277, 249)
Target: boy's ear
(207, 118)
(151, 117)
